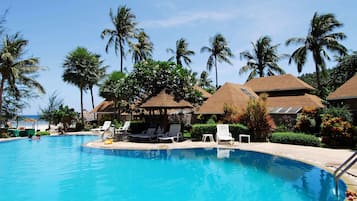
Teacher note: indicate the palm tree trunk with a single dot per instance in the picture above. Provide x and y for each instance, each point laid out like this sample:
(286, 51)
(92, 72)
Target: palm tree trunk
(318, 79)
(1, 91)
(121, 56)
(91, 94)
(82, 118)
(215, 65)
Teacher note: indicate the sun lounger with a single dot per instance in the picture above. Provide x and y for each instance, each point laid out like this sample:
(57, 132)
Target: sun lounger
(149, 134)
(223, 133)
(174, 133)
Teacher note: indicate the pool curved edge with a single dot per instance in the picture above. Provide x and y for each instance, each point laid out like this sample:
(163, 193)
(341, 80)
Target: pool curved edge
(283, 152)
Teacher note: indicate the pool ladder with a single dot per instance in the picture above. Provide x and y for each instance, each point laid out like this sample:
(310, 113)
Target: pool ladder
(343, 168)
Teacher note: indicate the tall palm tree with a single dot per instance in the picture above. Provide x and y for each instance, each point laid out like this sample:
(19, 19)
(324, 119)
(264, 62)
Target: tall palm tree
(263, 60)
(124, 28)
(142, 50)
(78, 69)
(321, 37)
(95, 74)
(219, 52)
(16, 71)
(181, 53)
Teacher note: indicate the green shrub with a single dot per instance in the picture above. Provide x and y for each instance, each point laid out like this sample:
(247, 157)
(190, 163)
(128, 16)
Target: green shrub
(199, 129)
(42, 133)
(337, 132)
(295, 138)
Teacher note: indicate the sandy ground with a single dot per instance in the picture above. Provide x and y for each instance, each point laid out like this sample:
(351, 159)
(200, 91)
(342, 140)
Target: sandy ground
(328, 159)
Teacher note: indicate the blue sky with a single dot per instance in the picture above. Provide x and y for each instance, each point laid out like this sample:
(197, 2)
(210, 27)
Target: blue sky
(56, 27)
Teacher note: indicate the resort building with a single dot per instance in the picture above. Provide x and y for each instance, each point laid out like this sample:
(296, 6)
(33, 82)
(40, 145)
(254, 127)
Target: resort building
(346, 94)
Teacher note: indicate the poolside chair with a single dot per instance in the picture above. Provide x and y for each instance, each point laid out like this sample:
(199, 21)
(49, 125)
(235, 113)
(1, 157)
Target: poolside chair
(223, 133)
(174, 133)
(101, 129)
(122, 132)
(149, 134)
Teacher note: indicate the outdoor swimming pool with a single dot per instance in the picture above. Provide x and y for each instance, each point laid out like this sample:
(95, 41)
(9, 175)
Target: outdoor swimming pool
(58, 168)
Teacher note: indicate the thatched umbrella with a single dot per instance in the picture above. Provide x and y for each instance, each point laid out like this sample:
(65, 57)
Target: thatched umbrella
(162, 102)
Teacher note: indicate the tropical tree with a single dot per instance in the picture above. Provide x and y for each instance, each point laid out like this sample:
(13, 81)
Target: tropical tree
(142, 50)
(65, 115)
(124, 28)
(17, 74)
(95, 75)
(263, 61)
(54, 103)
(205, 83)
(79, 70)
(219, 52)
(320, 38)
(181, 53)
(117, 89)
(150, 77)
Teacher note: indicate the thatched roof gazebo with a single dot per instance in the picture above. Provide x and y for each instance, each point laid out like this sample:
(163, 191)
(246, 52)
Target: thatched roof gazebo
(163, 102)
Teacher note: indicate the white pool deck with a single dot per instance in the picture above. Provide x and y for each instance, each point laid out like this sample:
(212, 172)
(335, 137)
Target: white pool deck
(325, 158)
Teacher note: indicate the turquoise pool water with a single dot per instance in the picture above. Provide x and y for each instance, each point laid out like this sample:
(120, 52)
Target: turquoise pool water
(58, 168)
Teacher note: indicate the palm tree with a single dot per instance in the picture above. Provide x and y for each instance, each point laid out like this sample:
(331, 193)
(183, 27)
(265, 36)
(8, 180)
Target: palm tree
(182, 52)
(142, 50)
(319, 39)
(96, 73)
(263, 61)
(219, 52)
(78, 70)
(124, 28)
(16, 71)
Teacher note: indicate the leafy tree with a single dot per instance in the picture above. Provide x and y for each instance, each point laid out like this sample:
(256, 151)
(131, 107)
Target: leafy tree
(17, 74)
(345, 70)
(65, 115)
(117, 89)
(54, 103)
(321, 37)
(257, 119)
(263, 61)
(124, 28)
(219, 52)
(150, 77)
(181, 53)
(142, 50)
(80, 69)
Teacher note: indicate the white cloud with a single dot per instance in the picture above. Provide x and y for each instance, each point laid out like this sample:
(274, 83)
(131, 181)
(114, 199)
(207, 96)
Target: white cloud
(187, 18)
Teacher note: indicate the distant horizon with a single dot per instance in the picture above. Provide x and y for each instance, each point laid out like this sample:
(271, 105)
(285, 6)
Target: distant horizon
(53, 34)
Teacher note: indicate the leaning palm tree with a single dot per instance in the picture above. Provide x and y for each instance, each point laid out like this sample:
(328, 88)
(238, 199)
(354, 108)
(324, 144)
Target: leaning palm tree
(263, 61)
(219, 52)
(319, 39)
(124, 28)
(142, 50)
(16, 71)
(78, 68)
(181, 53)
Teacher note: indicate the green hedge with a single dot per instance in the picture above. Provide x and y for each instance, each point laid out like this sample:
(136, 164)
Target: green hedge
(199, 129)
(295, 138)
(42, 133)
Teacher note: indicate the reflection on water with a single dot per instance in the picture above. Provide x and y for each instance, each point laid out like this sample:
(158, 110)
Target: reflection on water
(313, 182)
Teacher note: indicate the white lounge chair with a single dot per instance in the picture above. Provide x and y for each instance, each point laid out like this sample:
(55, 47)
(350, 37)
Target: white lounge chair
(174, 133)
(101, 129)
(122, 132)
(223, 133)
